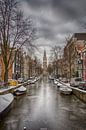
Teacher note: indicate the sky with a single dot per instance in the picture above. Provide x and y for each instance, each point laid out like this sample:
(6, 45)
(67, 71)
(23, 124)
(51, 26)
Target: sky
(55, 20)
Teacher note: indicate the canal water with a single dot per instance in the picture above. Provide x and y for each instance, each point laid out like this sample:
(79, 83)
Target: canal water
(44, 108)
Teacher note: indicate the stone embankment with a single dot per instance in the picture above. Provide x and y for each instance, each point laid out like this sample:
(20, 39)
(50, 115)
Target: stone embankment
(81, 94)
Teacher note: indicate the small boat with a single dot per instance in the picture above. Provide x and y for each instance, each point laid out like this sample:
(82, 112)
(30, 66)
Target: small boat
(37, 78)
(55, 82)
(33, 81)
(65, 90)
(6, 101)
(29, 81)
(20, 91)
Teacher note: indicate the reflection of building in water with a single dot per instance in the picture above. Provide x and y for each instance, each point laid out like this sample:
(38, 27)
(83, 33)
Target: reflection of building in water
(44, 63)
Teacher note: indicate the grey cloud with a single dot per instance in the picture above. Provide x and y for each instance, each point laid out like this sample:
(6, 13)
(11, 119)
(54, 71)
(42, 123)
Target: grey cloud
(56, 19)
(71, 9)
(48, 33)
(38, 3)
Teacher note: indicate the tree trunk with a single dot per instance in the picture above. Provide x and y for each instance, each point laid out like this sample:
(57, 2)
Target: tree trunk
(6, 75)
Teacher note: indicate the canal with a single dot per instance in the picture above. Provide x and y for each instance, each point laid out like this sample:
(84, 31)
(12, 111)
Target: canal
(44, 108)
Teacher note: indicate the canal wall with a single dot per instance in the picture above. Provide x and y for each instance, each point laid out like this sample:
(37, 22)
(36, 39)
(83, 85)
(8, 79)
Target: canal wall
(81, 94)
(10, 89)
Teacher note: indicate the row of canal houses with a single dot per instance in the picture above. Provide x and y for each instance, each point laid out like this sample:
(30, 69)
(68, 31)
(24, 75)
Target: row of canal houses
(24, 66)
(73, 61)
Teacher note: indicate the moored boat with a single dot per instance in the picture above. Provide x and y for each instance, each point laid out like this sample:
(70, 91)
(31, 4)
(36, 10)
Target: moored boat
(6, 101)
(33, 81)
(55, 82)
(20, 91)
(65, 90)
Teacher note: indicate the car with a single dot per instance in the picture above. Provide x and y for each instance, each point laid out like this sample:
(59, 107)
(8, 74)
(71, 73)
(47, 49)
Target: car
(82, 85)
(75, 81)
(65, 80)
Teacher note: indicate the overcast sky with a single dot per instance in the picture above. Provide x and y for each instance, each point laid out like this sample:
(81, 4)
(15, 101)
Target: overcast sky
(55, 20)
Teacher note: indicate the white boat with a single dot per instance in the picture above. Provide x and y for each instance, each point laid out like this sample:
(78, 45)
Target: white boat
(5, 104)
(33, 81)
(29, 81)
(55, 82)
(65, 90)
(37, 78)
(19, 91)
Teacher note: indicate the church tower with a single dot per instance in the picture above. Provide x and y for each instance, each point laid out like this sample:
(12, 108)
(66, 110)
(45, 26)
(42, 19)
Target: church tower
(44, 63)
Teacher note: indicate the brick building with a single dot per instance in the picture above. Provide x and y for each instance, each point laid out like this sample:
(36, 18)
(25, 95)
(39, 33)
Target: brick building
(72, 57)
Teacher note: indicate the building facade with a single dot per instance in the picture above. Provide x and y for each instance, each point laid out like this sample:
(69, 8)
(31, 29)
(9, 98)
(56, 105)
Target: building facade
(26, 67)
(18, 64)
(72, 56)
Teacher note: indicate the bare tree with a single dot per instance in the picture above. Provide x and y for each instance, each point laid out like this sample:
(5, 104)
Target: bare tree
(15, 31)
(55, 53)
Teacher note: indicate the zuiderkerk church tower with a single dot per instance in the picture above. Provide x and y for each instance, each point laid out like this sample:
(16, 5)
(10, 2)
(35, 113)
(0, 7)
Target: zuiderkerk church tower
(44, 63)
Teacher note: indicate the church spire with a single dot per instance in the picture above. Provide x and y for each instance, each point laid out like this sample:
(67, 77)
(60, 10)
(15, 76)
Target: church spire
(44, 63)
(44, 53)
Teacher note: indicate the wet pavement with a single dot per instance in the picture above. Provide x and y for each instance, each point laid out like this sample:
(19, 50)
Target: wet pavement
(44, 108)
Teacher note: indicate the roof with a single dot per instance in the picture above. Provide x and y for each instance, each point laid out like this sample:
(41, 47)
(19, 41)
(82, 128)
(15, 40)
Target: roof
(80, 36)
(77, 36)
